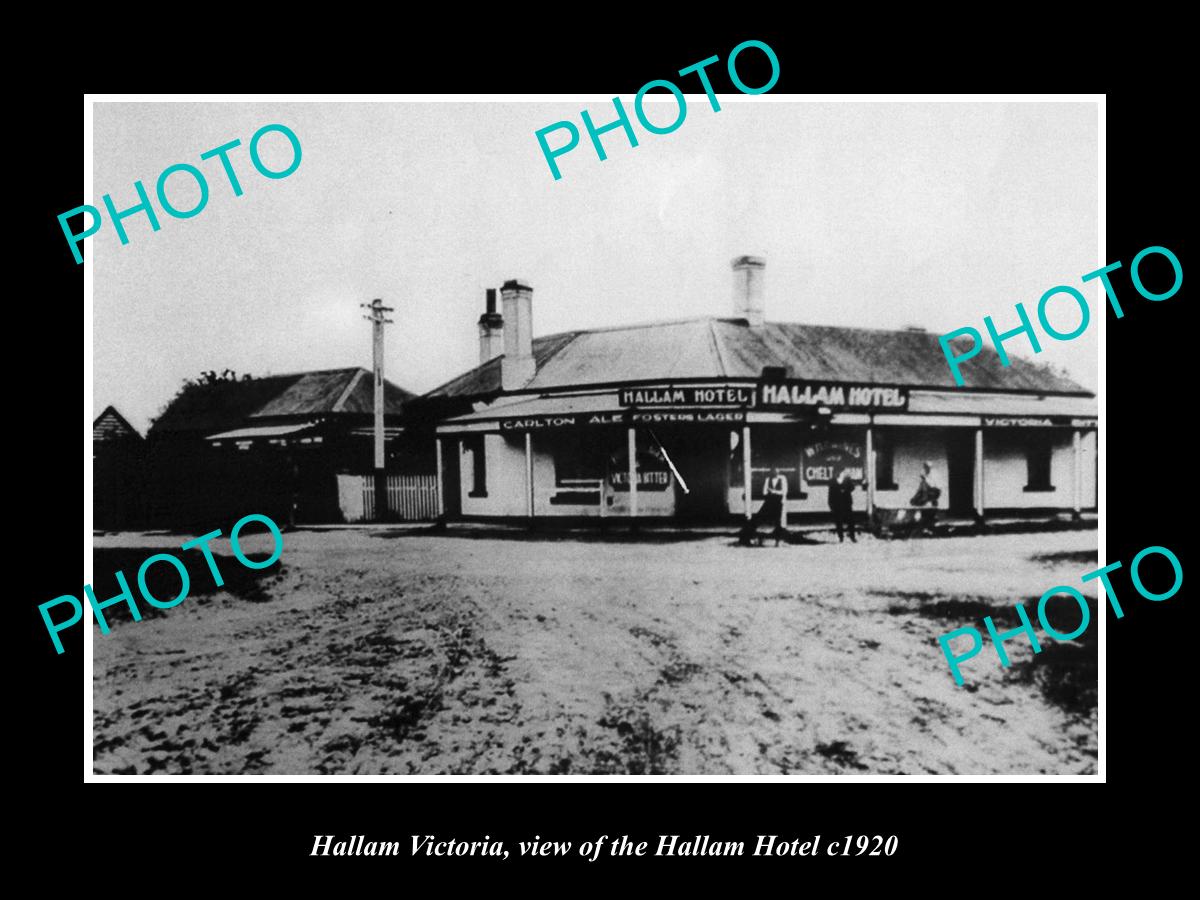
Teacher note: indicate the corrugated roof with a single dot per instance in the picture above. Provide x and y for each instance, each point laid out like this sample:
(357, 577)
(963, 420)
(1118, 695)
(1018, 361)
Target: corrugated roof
(485, 379)
(992, 404)
(668, 350)
(914, 358)
(730, 348)
(224, 405)
(110, 426)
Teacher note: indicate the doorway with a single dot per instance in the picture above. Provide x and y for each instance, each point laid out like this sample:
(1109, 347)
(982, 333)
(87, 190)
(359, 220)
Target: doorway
(451, 486)
(960, 476)
(700, 456)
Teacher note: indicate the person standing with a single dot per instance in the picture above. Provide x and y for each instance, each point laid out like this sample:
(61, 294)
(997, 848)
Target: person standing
(772, 512)
(778, 486)
(841, 503)
(928, 493)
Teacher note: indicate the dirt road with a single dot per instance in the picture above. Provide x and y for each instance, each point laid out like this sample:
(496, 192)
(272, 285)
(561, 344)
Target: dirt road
(370, 653)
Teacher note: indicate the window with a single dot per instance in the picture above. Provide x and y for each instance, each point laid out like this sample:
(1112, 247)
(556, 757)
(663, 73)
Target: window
(885, 461)
(579, 464)
(1038, 450)
(474, 445)
(578, 459)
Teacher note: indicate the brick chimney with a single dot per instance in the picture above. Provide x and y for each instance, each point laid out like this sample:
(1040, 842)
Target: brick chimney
(491, 330)
(748, 300)
(517, 368)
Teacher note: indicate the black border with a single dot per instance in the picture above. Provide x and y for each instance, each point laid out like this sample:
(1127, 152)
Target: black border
(992, 830)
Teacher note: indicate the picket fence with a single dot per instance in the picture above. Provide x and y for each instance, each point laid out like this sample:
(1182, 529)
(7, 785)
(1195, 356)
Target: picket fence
(413, 498)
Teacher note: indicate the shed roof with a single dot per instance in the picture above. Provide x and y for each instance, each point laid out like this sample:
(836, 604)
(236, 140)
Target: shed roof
(110, 426)
(731, 348)
(225, 405)
(262, 431)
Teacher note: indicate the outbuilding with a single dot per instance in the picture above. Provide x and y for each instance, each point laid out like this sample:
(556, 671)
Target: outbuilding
(118, 464)
(296, 447)
(686, 420)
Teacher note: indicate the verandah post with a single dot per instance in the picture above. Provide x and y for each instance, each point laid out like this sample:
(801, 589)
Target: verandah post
(631, 440)
(1077, 476)
(747, 479)
(979, 504)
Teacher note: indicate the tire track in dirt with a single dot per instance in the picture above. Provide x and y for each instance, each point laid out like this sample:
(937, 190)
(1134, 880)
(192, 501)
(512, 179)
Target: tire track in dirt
(356, 688)
(436, 655)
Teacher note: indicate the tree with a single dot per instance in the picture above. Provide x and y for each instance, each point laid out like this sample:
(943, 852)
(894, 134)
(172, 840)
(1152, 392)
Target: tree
(207, 380)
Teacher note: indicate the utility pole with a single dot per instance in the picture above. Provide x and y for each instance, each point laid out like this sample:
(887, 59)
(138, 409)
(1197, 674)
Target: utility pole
(377, 320)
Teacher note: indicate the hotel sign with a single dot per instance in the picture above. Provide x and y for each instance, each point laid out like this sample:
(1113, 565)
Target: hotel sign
(1036, 422)
(690, 395)
(824, 461)
(1018, 422)
(814, 394)
(653, 473)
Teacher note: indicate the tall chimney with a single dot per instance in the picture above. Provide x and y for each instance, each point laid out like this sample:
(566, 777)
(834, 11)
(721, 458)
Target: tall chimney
(491, 330)
(517, 368)
(748, 301)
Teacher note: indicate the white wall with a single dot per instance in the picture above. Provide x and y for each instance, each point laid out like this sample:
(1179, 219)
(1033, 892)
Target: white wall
(505, 478)
(1088, 495)
(350, 496)
(1005, 473)
(1005, 470)
(506, 485)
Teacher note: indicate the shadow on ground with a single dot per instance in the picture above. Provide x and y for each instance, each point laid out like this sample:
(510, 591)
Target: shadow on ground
(163, 582)
(1066, 672)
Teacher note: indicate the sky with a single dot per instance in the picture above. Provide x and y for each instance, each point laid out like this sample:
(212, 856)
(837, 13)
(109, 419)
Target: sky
(880, 215)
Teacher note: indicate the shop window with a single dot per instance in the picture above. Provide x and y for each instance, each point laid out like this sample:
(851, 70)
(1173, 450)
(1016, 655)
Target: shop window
(578, 459)
(1038, 451)
(885, 462)
(578, 468)
(474, 445)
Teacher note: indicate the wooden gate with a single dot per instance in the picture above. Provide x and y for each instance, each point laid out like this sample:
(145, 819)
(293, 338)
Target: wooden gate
(411, 498)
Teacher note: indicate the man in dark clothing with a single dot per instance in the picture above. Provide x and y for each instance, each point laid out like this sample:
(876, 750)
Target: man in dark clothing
(841, 502)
